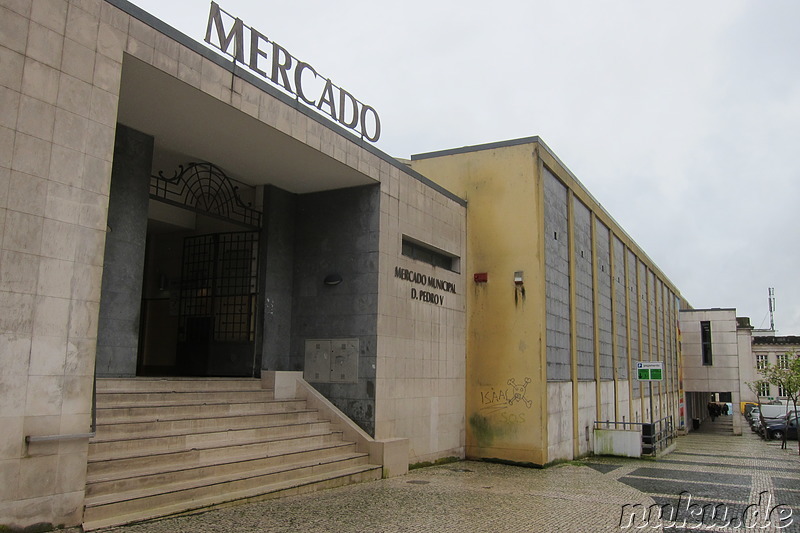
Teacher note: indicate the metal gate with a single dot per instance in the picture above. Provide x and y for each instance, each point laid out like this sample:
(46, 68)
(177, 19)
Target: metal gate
(217, 304)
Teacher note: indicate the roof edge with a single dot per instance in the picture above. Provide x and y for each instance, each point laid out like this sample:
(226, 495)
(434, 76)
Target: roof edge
(478, 148)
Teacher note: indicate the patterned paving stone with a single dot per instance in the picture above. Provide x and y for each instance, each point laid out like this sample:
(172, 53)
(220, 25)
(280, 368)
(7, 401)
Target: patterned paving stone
(604, 468)
(710, 491)
(690, 475)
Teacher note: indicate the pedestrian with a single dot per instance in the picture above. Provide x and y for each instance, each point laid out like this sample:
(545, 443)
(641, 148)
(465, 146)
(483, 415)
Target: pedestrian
(711, 411)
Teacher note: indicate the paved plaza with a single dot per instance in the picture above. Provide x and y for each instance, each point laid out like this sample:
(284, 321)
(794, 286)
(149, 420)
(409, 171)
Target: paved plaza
(710, 466)
(743, 479)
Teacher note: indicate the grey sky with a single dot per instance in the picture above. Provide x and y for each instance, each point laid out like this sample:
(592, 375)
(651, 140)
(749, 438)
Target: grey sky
(681, 118)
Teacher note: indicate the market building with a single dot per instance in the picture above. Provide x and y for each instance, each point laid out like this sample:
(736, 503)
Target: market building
(186, 223)
(168, 213)
(562, 304)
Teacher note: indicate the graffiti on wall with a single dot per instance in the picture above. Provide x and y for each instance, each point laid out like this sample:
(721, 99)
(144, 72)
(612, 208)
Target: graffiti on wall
(503, 409)
(498, 398)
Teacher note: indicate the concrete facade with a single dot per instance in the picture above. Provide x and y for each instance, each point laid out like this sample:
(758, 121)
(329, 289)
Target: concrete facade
(79, 80)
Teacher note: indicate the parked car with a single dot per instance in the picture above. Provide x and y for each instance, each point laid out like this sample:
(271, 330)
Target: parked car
(764, 419)
(775, 430)
(754, 418)
(752, 413)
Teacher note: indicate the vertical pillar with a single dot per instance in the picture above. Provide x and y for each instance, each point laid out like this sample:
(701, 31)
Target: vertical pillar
(573, 324)
(276, 278)
(123, 263)
(639, 332)
(596, 322)
(612, 269)
(543, 388)
(629, 355)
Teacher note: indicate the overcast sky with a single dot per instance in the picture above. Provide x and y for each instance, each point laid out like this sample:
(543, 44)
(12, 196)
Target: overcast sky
(681, 118)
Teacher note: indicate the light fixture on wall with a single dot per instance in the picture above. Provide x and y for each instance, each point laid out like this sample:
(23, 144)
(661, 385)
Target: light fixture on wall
(332, 279)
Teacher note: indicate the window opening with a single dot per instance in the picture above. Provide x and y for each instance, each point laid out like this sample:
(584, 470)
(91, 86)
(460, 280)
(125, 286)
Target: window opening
(705, 338)
(428, 255)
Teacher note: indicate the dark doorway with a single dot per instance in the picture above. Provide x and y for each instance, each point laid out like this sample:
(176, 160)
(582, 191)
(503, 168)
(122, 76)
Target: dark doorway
(217, 304)
(201, 283)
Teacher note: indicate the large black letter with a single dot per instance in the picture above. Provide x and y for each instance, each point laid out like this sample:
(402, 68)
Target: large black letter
(364, 123)
(277, 66)
(298, 81)
(255, 51)
(236, 34)
(327, 98)
(343, 104)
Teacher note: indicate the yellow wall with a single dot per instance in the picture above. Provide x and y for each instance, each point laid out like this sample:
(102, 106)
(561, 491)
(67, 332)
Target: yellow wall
(506, 330)
(505, 322)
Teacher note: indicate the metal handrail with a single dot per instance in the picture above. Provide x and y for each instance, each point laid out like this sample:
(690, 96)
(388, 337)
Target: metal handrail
(72, 436)
(663, 431)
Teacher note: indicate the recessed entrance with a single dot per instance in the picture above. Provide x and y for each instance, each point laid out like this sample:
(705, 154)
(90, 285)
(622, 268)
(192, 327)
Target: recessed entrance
(201, 283)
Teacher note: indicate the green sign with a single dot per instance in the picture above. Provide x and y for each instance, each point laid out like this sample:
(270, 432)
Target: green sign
(650, 371)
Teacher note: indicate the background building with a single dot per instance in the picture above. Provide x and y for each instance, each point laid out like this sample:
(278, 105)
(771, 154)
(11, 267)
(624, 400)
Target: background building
(765, 349)
(712, 346)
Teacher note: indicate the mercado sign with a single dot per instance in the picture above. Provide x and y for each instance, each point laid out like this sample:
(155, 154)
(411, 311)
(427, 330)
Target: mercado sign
(272, 62)
(427, 281)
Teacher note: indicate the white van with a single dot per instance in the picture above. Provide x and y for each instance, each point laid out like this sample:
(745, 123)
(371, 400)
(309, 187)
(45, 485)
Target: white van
(774, 411)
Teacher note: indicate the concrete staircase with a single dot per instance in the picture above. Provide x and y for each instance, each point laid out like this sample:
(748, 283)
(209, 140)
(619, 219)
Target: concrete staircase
(169, 446)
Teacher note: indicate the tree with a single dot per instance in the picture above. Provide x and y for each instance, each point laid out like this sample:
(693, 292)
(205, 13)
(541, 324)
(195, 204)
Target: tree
(786, 376)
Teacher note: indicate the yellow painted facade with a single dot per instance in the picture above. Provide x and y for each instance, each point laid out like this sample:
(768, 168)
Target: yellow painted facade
(507, 412)
(505, 320)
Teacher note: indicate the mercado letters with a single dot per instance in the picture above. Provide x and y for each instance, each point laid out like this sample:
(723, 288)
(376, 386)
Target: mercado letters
(271, 61)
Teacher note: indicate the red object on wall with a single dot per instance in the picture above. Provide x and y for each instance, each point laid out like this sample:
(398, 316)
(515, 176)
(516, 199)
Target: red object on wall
(481, 277)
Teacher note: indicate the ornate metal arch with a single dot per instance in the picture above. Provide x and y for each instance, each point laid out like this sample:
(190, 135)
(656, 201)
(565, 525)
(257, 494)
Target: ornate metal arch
(204, 188)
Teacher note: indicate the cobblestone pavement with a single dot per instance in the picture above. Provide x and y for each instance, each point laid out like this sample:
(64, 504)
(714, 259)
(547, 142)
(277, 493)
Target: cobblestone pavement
(711, 465)
(751, 484)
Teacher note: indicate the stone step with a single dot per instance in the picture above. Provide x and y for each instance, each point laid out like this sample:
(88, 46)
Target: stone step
(265, 444)
(144, 398)
(112, 514)
(174, 412)
(167, 446)
(125, 445)
(178, 460)
(121, 429)
(176, 384)
(109, 487)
